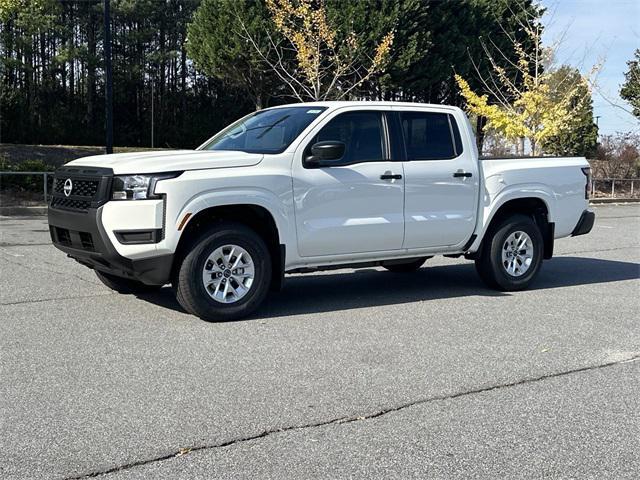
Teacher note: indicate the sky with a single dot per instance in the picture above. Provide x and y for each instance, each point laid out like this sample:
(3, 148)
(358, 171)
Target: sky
(594, 31)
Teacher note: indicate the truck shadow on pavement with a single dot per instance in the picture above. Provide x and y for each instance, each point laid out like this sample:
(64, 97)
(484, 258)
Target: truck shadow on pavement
(329, 291)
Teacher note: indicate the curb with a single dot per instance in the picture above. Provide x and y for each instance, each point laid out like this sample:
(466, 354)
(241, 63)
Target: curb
(18, 211)
(608, 201)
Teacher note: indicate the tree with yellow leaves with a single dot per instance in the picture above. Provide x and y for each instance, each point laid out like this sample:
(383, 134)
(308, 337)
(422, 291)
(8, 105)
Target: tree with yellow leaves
(312, 58)
(528, 102)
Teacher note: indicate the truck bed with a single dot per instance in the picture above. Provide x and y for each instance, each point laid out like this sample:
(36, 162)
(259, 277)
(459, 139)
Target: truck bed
(559, 181)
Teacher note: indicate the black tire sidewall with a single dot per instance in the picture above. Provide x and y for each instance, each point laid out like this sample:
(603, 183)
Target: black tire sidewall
(191, 291)
(502, 279)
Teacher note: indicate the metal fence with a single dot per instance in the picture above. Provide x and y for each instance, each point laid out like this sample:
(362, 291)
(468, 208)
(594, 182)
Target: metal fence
(615, 188)
(29, 187)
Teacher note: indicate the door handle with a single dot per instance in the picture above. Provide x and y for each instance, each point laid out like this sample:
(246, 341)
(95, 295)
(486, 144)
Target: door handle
(390, 176)
(461, 173)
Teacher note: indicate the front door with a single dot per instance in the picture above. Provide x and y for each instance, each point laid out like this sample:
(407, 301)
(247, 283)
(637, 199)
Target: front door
(355, 204)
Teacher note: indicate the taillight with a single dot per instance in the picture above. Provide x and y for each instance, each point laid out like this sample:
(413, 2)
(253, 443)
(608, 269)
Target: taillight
(587, 187)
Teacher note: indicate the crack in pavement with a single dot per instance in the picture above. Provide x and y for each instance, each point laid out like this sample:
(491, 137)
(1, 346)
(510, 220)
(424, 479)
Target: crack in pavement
(596, 251)
(349, 419)
(627, 216)
(21, 302)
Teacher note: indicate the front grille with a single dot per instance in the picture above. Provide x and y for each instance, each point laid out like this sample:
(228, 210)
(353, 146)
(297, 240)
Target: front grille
(70, 204)
(81, 188)
(86, 241)
(72, 238)
(63, 236)
(89, 188)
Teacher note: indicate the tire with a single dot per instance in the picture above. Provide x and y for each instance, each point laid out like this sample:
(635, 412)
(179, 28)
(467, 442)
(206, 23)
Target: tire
(504, 272)
(125, 285)
(405, 267)
(198, 299)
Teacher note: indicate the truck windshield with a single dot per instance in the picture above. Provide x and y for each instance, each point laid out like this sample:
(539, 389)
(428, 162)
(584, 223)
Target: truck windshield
(266, 131)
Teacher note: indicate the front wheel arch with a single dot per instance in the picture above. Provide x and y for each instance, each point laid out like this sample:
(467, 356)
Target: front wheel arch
(255, 217)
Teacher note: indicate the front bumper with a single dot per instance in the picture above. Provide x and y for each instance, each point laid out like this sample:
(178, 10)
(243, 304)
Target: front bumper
(81, 236)
(585, 224)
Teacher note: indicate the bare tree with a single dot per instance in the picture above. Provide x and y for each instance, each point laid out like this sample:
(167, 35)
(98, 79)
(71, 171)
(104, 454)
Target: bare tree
(524, 99)
(618, 156)
(308, 56)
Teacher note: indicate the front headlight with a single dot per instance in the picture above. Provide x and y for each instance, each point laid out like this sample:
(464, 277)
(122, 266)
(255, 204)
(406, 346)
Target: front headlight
(131, 187)
(137, 187)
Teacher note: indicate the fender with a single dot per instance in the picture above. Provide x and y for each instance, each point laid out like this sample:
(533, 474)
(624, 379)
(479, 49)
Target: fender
(492, 205)
(235, 196)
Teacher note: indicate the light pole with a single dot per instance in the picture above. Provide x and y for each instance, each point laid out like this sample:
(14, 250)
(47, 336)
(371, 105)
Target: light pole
(108, 80)
(152, 119)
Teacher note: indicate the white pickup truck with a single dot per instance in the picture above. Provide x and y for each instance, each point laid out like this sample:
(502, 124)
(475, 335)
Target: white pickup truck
(311, 186)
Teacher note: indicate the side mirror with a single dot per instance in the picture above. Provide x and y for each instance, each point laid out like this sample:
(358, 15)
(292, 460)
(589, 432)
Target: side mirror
(328, 151)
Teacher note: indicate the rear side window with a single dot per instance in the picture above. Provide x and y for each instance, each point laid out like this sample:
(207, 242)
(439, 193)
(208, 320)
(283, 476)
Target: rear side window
(430, 136)
(361, 132)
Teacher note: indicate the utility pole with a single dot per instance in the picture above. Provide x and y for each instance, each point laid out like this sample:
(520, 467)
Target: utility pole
(152, 119)
(109, 80)
(1, 95)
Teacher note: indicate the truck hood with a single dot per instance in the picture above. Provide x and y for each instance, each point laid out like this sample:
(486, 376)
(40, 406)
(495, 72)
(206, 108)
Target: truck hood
(169, 161)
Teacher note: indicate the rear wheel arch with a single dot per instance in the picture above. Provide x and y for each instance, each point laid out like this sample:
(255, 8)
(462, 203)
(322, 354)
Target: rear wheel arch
(535, 207)
(512, 253)
(255, 217)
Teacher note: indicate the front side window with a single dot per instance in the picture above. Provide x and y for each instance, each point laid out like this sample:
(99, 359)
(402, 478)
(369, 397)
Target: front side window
(265, 131)
(428, 136)
(361, 133)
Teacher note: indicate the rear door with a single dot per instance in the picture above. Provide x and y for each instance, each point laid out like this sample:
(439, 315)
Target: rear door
(354, 205)
(441, 178)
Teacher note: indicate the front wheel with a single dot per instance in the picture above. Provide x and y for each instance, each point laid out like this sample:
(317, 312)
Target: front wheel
(226, 275)
(511, 255)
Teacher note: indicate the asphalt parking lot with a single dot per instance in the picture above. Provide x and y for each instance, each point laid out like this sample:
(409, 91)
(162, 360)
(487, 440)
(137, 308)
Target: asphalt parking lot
(344, 374)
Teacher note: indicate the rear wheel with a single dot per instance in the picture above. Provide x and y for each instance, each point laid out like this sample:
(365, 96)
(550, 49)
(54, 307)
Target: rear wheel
(226, 275)
(511, 254)
(408, 266)
(125, 285)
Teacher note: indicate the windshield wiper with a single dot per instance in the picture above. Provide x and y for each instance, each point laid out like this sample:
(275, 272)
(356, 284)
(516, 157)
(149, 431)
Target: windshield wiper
(272, 125)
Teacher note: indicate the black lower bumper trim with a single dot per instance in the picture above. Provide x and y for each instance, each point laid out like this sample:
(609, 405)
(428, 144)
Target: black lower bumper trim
(585, 224)
(139, 237)
(70, 232)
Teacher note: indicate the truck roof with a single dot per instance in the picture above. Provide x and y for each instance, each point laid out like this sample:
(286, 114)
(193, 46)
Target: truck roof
(343, 103)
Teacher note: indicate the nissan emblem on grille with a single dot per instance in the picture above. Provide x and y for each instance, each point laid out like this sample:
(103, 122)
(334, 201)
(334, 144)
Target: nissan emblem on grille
(68, 186)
